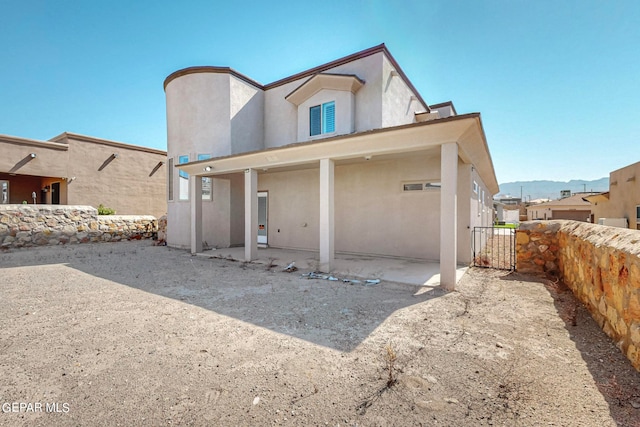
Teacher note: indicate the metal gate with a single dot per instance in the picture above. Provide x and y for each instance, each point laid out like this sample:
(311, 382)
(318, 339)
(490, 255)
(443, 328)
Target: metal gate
(494, 247)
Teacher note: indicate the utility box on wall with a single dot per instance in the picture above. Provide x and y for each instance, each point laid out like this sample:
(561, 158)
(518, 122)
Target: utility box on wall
(614, 222)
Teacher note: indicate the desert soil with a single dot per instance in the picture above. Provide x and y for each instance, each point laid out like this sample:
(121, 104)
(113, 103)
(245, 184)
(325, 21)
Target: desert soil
(134, 334)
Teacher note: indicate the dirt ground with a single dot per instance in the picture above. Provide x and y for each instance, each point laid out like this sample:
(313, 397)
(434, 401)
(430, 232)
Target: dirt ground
(133, 334)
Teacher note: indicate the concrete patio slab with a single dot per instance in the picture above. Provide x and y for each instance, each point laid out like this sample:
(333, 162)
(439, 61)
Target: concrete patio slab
(402, 270)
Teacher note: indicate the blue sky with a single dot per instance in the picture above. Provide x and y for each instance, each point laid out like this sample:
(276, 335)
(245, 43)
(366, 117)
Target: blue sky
(557, 82)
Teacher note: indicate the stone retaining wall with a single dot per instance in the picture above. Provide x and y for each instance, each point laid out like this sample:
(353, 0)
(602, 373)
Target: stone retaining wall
(38, 225)
(600, 264)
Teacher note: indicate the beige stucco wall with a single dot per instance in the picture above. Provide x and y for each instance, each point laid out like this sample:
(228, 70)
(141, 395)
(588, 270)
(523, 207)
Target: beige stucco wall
(49, 161)
(399, 103)
(546, 211)
(247, 116)
(280, 116)
(344, 113)
(198, 115)
(126, 183)
(372, 213)
(624, 196)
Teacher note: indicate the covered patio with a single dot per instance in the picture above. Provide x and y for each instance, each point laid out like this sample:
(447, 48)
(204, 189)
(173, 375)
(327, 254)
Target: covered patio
(456, 142)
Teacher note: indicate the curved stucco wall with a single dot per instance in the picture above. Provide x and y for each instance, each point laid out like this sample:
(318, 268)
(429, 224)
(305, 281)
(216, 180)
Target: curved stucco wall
(215, 114)
(198, 108)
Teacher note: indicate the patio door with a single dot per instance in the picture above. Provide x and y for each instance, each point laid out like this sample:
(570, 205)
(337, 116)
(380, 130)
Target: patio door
(262, 217)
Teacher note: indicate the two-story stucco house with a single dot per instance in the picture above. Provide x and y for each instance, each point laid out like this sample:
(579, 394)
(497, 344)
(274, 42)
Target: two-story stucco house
(346, 157)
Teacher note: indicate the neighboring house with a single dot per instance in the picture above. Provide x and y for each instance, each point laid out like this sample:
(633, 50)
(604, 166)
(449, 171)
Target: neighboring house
(623, 198)
(572, 207)
(73, 169)
(346, 156)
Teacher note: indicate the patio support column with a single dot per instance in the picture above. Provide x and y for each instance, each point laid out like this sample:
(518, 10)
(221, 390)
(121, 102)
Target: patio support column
(250, 215)
(448, 214)
(327, 226)
(195, 201)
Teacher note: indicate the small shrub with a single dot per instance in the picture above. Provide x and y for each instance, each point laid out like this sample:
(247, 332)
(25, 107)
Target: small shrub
(105, 211)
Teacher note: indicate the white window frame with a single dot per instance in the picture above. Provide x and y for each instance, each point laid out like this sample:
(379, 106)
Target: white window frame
(323, 122)
(182, 195)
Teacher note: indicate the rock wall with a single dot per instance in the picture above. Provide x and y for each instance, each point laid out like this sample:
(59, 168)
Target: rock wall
(537, 247)
(37, 225)
(600, 264)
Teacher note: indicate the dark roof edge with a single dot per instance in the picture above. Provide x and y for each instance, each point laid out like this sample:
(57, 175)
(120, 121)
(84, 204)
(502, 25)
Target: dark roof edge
(210, 69)
(349, 58)
(328, 65)
(85, 138)
(323, 74)
(307, 73)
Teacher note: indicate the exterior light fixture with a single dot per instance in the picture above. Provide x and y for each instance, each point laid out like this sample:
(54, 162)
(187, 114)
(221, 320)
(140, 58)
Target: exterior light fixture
(114, 155)
(207, 168)
(367, 157)
(32, 155)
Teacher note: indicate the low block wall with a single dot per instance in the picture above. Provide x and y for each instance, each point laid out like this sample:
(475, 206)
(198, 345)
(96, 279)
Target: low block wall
(600, 264)
(38, 225)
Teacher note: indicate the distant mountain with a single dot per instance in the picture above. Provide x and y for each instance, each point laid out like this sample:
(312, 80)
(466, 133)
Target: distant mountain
(532, 190)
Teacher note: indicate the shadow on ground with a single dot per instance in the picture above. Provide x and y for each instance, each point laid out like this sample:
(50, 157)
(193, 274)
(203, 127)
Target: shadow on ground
(333, 314)
(615, 378)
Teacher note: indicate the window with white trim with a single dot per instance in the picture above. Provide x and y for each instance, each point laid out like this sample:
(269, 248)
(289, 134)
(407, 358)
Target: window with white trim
(322, 118)
(475, 187)
(183, 178)
(421, 186)
(206, 181)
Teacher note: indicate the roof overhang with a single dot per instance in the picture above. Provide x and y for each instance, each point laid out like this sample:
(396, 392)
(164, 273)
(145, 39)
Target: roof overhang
(466, 130)
(33, 142)
(595, 198)
(344, 82)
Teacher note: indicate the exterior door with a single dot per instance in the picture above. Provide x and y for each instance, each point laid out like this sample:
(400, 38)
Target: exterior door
(262, 217)
(55, 193)
(4, 192)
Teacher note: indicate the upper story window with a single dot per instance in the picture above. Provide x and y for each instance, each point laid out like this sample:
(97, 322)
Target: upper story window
(326, 105)
(322, 118)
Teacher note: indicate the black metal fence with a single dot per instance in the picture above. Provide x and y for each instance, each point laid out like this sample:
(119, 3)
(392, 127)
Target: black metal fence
(494, 247)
